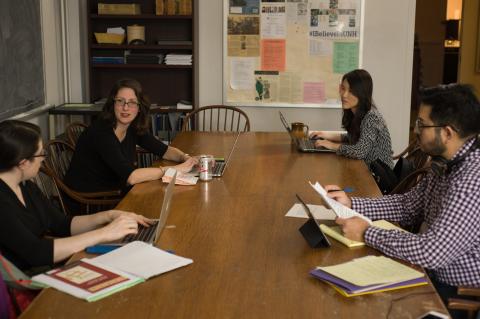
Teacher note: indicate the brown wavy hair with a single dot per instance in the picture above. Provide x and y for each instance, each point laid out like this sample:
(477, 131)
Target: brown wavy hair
(141, 122)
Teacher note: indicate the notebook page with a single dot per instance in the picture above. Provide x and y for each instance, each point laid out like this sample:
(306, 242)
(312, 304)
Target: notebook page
(341, 210)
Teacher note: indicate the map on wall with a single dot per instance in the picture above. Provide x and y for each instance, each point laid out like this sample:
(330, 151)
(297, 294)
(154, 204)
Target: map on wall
(289, 52)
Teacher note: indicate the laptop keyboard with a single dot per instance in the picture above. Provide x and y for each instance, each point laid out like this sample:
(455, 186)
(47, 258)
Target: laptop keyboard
(217, 170)
(306, 144)
(144, 233)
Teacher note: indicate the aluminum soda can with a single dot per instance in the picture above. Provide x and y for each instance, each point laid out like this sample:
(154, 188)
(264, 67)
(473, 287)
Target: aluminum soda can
(206, 163)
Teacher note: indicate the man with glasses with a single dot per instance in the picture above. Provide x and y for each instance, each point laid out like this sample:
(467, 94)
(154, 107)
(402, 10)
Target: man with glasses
(447, 200)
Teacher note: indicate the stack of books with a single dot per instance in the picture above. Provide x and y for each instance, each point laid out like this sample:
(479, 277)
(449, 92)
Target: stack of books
(178, 59)
(369, 275)
(143, 58)
(108, 60)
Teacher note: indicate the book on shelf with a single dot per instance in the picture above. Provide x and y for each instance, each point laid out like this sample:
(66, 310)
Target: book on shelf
(184, 105)
(174, 42)
(108, 60)
(369, 274)
(122, 268)
(175, 7)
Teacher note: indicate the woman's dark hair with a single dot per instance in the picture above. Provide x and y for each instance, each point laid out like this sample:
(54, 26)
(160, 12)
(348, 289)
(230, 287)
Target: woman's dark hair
(455, 105)
(361, 85)
(18, 140)
(141, 123)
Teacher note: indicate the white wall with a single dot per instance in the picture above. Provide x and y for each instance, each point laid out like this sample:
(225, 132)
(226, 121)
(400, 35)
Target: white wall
(387, 55)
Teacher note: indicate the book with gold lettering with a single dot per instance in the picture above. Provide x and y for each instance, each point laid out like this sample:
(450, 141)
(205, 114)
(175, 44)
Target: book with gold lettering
(88, 280)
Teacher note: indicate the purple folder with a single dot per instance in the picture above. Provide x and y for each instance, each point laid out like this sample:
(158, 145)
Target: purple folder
(350, 288)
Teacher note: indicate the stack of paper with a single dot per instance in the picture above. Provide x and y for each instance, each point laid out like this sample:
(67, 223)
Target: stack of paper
(93, 279)
(182, 178)
(178, 59)
(369, 275)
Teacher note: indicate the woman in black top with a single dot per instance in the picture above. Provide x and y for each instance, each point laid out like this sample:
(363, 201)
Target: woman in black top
(367, 135)
(105, 153)
(26, 216)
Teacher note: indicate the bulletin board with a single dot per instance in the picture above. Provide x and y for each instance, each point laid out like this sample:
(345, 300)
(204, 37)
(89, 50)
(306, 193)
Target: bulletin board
(290, 53)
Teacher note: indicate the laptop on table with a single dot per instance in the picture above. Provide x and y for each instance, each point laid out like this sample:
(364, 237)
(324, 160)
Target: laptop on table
(303, 144)
(150, 234)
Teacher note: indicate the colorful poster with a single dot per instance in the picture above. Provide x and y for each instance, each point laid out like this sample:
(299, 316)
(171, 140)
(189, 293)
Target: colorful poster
(345, 57)
(273, 55)
(243, 45)
(244, 6)
(335, 19)
(243, 25)
(273, 21)
(266, 86)
(314, 92)
(242, 73)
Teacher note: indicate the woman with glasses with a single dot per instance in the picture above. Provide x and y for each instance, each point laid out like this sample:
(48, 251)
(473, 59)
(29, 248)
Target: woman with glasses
(106, 151)
(27, 217)
(367, 136)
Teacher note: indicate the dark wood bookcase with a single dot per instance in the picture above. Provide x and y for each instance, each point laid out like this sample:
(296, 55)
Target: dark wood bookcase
(163, 84)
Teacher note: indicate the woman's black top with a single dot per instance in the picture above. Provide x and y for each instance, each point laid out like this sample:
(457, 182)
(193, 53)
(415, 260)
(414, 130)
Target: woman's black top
(23, 228)
(102, 163)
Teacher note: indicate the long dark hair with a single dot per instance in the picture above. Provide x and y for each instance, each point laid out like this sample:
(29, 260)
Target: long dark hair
(141, 122)
(18, 140)
(361, 85)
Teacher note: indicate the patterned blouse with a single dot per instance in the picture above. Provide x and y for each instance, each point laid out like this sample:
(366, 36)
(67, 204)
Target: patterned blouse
(374, 142)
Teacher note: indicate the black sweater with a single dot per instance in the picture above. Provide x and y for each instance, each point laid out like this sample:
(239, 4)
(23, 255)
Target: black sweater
(102, 163)
(23, 228)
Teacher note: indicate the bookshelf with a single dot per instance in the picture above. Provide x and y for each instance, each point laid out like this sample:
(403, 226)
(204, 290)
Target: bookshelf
(164, 34)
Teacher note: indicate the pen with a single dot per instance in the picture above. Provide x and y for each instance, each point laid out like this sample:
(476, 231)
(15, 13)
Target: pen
(346, 190)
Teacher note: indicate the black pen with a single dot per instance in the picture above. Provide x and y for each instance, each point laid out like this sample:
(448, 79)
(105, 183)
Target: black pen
(334, 190)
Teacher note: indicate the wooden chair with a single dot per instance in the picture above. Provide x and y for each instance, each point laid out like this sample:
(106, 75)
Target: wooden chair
(470, 305)
(412, 165)
(73, 132)
(145, 158)
(57, 163)
(410, 180)
(216, 118)
(49, 188)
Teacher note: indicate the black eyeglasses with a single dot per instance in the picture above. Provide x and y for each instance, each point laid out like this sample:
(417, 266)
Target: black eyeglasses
(418, 128)
(44, 153)
(122, 103)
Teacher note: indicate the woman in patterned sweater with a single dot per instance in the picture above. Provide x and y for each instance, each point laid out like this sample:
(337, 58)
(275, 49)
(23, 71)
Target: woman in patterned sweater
(367, 136)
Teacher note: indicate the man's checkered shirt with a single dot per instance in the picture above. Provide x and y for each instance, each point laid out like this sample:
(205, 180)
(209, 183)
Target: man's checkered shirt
(450, 207)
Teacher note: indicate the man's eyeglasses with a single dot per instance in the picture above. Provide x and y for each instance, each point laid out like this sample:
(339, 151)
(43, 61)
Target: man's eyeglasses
(122, 102)
(44, 153)
(418, 128)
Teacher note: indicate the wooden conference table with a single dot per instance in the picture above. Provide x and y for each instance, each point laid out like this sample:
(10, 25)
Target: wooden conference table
(250, 261)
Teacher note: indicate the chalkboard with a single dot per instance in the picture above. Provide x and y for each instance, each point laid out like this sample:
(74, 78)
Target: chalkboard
(21, 57)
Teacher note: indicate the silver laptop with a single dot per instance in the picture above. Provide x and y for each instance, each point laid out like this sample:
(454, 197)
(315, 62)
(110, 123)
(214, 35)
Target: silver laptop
(303, 144)
(152, 233)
